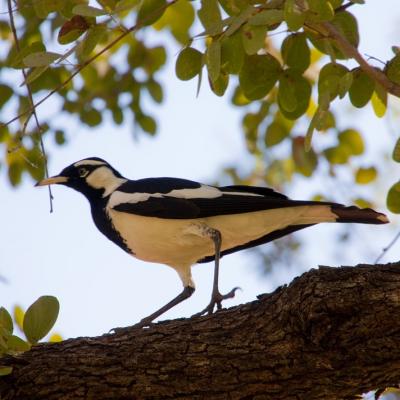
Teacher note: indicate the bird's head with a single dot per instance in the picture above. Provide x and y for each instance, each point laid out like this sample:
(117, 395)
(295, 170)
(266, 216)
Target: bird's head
(92, 177)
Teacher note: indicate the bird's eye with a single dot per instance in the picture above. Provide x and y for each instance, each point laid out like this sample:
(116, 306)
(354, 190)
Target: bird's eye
(82, 172)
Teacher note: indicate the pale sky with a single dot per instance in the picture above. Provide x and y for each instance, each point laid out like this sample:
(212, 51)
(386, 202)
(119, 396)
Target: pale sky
(98, 285)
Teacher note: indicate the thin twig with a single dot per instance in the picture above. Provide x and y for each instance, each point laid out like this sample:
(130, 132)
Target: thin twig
(388, 247)
(89, 61)
(30, 98)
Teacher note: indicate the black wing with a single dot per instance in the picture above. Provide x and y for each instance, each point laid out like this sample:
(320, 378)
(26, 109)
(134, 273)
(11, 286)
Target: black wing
(230, 200)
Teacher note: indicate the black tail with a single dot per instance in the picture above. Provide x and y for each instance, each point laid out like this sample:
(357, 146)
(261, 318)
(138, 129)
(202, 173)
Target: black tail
(358, 215)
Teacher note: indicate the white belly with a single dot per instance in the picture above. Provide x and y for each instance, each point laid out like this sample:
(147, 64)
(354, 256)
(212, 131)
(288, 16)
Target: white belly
(177, 242)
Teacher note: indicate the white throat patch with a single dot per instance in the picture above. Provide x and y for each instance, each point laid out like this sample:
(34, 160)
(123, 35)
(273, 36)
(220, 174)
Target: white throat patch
(103, 178)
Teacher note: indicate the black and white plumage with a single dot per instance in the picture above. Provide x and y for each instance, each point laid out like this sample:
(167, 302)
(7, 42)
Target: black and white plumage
(179, 222)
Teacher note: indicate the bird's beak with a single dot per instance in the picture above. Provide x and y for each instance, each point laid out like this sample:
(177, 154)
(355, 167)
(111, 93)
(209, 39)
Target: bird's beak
(52, 180)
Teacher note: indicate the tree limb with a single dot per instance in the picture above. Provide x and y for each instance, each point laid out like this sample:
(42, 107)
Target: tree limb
(333, 333)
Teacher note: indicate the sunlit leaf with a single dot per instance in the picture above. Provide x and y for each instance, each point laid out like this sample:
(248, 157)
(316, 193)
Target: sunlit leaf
(379, 101)
(393, 198)
(353, 140)
(18, 314)
(5, 370)
(188, 63)
(330, 80)
(259, 75)
(55, 338)
(364, 176)
(40, 318)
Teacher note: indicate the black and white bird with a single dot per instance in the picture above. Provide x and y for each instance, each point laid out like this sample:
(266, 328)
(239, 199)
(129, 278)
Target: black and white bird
(179, 222)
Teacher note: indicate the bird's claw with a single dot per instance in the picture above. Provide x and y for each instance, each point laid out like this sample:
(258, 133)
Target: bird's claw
(216, 300)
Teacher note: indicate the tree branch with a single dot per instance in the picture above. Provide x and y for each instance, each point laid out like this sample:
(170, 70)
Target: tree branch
(333, 333)
(328, 30)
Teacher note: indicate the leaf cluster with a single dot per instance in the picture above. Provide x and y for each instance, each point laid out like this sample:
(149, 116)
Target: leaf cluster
(35, 323)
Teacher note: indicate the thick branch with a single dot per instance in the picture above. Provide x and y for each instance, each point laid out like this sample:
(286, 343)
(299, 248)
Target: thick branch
(333, 333)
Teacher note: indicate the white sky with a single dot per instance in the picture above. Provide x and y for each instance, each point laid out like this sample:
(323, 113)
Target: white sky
(99, 286)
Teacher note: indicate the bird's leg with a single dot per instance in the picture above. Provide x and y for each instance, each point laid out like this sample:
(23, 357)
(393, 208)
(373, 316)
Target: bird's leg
(186, 293)
(216, 296)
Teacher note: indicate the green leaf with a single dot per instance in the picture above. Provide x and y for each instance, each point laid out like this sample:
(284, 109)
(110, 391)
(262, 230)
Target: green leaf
(91, 116)
(16, 57)
(213, 59)
(392, 69)
(6, 320)
(92, 38)
(364, 176)
(188, 64)
(88, 11)
(286, 94)
(259, 75)
(294, 17)
(276, 132)
(379, 101)
(40, 318)
(295, 52)
(267, 18)
(396, 151)
(232, 54)
(330, 80)
(320, 11)
(237, 21)
(253, 38)
(5, 94)
(353, 140)
(294, 94)
(40, 59)
(220, 85)
(147, 123)
(346, 24)
(34, 73)
(210, 17)
(5, 370)
(17, 345)
(44, 7)
(155, 90)
(337, 154)
(344, 84)
(361, 89)
(393, 198)
(150, 11)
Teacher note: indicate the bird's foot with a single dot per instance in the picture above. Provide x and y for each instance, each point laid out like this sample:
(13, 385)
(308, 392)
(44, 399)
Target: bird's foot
(145, 322)
(216, 300)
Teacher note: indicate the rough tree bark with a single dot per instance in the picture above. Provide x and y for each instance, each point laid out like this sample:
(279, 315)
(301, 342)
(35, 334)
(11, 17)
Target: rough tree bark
(332, 333)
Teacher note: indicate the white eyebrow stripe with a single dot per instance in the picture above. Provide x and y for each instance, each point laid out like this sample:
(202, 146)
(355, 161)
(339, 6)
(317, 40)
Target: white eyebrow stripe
(89, 162)
(203, 192)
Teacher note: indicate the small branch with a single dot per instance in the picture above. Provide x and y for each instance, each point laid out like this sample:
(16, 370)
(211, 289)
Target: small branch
(89, 61)
(352, 52)
(31, 102)
(388, 247)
